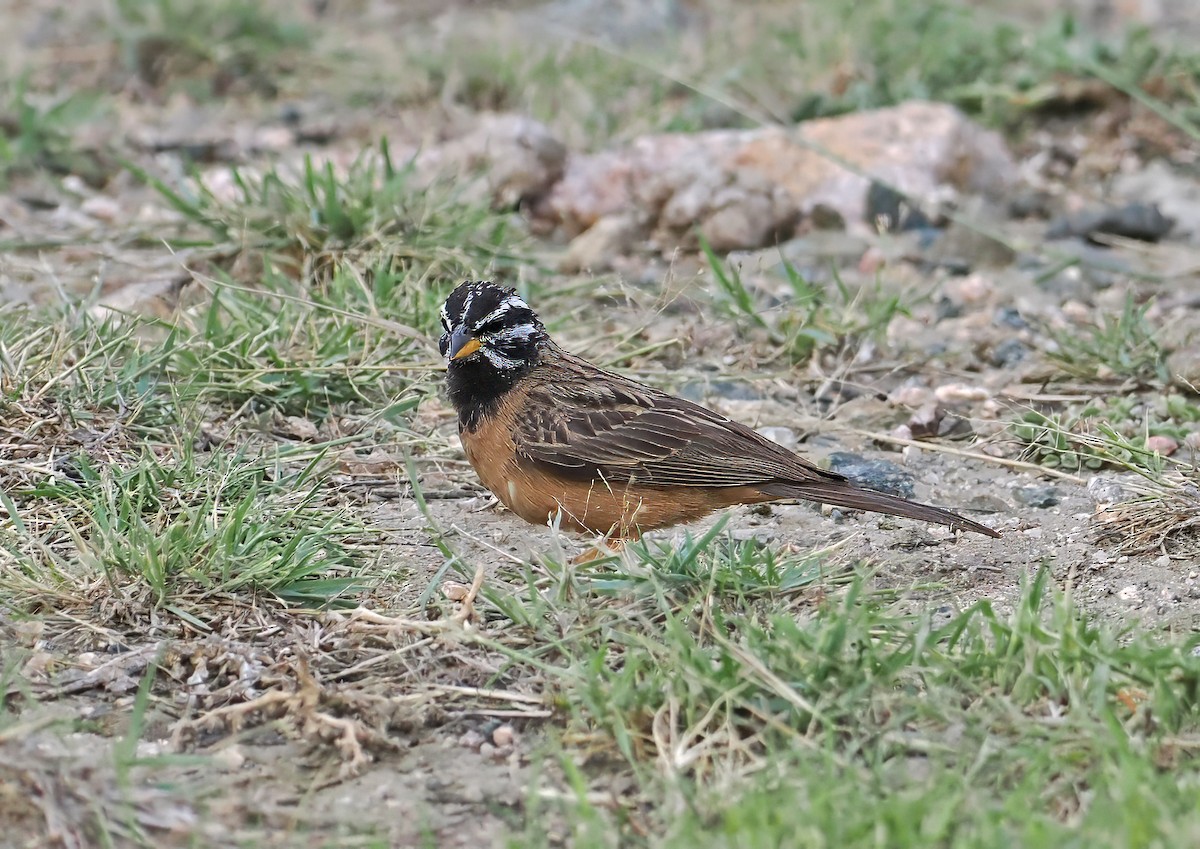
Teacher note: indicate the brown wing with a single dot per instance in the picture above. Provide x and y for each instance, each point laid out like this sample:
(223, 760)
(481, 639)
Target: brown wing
(618, 430)
(589, 424)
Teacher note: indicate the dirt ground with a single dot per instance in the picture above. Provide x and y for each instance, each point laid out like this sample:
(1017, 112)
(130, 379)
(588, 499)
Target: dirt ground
(445, 747)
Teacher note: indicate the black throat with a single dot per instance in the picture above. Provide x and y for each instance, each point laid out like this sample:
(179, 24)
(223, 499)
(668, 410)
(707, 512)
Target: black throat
(476, 387)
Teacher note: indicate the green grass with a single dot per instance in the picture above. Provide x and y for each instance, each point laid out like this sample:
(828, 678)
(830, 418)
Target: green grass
(193, 524)
(1118, 347)
(738, 719)
(375, 209)
(37, 132)
(836, 319)
(1109, 433)
(217, 49)
(338, 321)
(169, 478)
(744, 72)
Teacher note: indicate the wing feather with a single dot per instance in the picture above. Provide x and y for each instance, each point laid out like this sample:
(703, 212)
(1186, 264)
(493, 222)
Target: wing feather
(619, 431)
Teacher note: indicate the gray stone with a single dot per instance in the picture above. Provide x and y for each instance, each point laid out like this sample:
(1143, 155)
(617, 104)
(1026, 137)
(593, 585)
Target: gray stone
(874, 474)
(1176, 194)
(1037, 495)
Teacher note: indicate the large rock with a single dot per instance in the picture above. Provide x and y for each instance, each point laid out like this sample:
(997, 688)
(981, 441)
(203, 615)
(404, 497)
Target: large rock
(744, 189)
(518, 157)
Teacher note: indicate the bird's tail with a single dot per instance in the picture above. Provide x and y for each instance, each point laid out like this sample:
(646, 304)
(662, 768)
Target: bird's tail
(843, 493)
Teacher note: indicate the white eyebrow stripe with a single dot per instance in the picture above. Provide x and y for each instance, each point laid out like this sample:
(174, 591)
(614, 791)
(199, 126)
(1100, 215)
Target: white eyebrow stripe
(510, 303)
(445, 318)
(519, 332)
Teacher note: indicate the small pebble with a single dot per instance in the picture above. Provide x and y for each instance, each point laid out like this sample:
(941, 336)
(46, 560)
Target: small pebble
(952, 393)
(871, 261)
(1129, 593)
(926, 421)
(1040, 496)
(910, 396)
(784, 436)
(1107, 490)
(504, 735)
(1077, 313)
(101, 208)
(299, 427)
(1009, 317)
(229, 758)
(1008, 353)
(972, 289)
(875, 474)
(1164, 445)
(471, 740)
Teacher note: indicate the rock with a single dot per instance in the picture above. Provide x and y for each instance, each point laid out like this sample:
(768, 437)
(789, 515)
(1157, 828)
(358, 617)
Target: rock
(1144, 222)
(518, 157)
(1029, 202)
(926, 421)
(970, 290)
(1129, 593)
(825, 217)
(729, 390)
(968, 240)
(1176, 194)
(910, 395)
(1038, 495)
(1009, 317)
(1008, 354)
(762, 536)
(889, 211)
(101, 208)
(1183, 365)
(957, 393)
(595, 249)
(744, 187)
(784, 436)
(1103, 490)
(875, 474)
(731, 209)
(1164, 445)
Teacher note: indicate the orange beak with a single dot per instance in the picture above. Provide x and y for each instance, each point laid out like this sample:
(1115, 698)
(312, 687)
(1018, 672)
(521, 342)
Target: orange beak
(466, 349)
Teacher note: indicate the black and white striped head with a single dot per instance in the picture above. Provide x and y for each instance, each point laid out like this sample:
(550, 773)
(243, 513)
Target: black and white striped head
(487, 324)
(492, 339)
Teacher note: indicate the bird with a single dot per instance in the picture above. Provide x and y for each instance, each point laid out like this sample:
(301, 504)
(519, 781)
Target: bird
(558, 439)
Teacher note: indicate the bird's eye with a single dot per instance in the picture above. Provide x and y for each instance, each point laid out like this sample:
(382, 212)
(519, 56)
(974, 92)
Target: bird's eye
(444, 343)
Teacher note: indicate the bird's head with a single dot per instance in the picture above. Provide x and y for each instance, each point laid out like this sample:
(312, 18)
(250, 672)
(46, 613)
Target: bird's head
(489, 330)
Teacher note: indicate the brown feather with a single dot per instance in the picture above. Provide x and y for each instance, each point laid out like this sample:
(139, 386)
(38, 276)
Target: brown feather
(638, 449)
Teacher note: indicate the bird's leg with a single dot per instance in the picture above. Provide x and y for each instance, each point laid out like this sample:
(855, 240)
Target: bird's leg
(605, 546)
